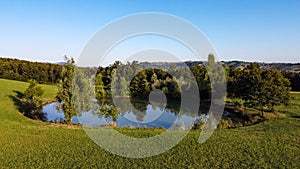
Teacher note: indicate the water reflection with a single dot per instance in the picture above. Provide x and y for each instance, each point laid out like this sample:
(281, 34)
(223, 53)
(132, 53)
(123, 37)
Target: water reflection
(140, 114)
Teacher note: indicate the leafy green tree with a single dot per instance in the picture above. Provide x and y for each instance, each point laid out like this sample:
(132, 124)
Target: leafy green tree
(260, 88)
(249, 84)
(139, 86)
(173, 89)
(274, 91)
(33, 92)
(32, 102)
(65, 90)
(202, 79)
(83, 92)
(124, 87)
(155, 83)
(99, 87)
(232, 75)
(216, 77)
(107, 77)
(119, 84)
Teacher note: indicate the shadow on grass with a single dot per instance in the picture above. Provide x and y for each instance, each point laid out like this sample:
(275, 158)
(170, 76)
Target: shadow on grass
(297, 117)
(27, 108)
(238, 117)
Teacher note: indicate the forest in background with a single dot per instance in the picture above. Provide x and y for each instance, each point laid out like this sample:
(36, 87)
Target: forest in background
(249, 86)
(49, 73)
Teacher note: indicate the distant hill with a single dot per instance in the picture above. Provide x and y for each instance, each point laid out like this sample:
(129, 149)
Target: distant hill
(60, 63)
(290, 67)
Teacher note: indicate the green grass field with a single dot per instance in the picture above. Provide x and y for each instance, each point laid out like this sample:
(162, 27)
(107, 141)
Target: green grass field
(25, 143)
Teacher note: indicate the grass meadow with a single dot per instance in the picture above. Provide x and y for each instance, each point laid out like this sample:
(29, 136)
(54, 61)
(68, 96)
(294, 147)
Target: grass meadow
(26, 143)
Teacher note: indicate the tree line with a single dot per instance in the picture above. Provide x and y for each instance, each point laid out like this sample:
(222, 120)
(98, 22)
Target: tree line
(14, 69)
(43, 73)
(254, 86)
(259, 88)
(48, 73)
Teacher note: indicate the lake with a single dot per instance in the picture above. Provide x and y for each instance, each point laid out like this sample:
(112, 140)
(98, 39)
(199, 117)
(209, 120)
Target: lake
(141, 114)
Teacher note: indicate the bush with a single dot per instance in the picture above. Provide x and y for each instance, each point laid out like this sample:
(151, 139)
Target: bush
(224, 123)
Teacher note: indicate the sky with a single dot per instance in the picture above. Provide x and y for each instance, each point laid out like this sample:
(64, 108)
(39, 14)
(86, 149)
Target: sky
(248, 30)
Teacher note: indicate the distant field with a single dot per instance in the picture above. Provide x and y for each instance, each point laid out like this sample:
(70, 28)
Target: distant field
(26, 143)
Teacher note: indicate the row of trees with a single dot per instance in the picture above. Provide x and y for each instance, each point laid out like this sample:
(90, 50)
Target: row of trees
(148, 80)
(21, 70)
(135, 81)
(48, 73)
(259, 88)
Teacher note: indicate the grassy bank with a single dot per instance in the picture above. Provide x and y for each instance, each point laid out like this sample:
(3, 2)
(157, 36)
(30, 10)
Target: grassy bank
(25, 143)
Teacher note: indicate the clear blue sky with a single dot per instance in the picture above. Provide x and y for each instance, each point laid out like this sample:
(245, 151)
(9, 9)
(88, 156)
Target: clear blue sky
(251, 30)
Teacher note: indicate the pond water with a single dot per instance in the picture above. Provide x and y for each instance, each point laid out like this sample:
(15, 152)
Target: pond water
(143, 114)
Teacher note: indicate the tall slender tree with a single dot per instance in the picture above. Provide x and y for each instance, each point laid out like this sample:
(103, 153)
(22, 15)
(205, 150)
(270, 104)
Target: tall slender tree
(65, 90)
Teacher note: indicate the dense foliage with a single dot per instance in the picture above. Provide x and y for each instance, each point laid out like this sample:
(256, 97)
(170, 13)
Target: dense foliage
(48, 73)
(43, 73)
(65, 90)
(133, 80)
(75, 90)
(150, 79)
(259, 88)
(21, 70)
(31, 101)
(294, 79)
